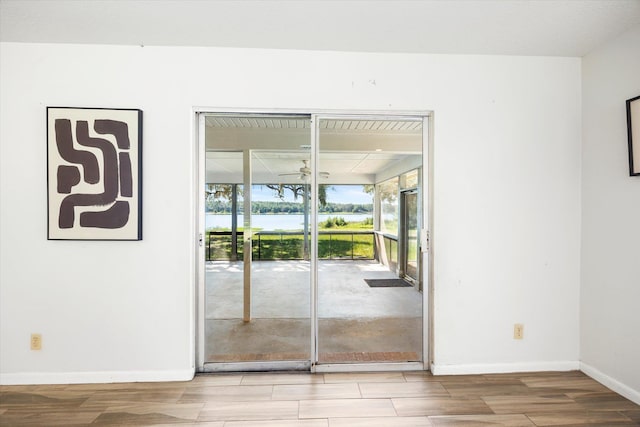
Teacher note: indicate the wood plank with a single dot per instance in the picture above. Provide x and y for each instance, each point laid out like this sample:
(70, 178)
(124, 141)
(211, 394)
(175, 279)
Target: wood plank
(277, 378)
(517, 420)
(361, 377)
(339, 408)
(531, 404)
(278, 423)
(316, 391)
(413, 389)
(407, 407)
(584, 418)
(240, 393)
(249, 411)
(380, 422)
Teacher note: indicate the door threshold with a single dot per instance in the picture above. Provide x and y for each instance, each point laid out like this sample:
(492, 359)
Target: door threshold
(370, 367)
(286, 365)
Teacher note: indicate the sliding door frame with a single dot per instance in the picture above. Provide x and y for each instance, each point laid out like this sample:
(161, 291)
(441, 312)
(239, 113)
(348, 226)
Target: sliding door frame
(425, 198)
(202, 365)
(316, 118)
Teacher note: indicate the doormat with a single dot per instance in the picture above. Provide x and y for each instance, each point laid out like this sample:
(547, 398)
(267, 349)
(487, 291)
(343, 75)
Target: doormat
(387, 283)
(386, 356)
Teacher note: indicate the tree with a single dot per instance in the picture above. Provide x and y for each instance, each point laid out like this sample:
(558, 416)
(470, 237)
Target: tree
(301, 190)
(218, 191)
(388, 190)
(298, 190)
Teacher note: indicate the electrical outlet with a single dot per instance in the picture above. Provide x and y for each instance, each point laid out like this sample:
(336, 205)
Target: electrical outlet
(518, 331)
(36, 342)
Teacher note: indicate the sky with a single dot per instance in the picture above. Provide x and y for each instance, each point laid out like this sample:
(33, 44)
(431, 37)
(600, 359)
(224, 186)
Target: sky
(335, 194)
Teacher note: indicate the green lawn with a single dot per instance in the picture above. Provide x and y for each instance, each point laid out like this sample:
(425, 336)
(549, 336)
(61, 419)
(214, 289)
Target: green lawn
(336, 243)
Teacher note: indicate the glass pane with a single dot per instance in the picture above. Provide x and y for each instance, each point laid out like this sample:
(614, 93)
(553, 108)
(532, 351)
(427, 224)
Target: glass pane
(409, 180)
(388, 194)
(366, 312)
(221, 243)
(280, 276)
(411, 209)
(252, 314)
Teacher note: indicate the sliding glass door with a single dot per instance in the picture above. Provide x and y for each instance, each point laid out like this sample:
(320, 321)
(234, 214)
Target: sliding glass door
(310, 234)
(366, 312)
(257, 272)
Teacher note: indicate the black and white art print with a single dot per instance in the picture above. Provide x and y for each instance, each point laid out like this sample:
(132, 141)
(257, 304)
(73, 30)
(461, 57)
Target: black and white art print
(94, 173)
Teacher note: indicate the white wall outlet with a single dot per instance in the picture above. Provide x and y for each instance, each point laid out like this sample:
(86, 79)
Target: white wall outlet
(518, 331)
(36, 342)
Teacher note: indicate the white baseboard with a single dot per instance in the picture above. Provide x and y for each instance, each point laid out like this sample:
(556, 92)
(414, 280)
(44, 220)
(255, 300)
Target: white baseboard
(612, 383)
(503, 368)
(27, 378)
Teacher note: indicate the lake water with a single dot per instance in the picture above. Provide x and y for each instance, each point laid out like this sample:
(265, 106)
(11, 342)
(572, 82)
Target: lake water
(276, 222)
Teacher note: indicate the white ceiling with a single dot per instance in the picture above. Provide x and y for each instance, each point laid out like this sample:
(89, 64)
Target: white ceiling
(509, 27)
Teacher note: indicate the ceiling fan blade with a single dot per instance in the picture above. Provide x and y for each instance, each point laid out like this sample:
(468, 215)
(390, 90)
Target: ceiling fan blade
(305, 171)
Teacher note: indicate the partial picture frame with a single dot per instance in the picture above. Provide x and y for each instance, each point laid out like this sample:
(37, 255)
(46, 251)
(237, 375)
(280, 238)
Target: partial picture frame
(633, 132)
(94, 173)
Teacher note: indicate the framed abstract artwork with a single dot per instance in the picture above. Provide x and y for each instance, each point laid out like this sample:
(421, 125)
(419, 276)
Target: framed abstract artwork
(633, 132)
(94, 173)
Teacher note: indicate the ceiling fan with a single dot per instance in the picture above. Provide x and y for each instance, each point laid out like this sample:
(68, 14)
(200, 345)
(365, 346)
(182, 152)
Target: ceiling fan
(305, 171)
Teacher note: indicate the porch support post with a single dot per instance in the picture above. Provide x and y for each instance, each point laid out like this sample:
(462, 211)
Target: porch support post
(379, 252)
(306, 221)
(247, 235)
(234, 222)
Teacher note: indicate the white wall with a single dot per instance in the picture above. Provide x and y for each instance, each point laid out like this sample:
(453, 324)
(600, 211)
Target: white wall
(507, 207)
(610, 292)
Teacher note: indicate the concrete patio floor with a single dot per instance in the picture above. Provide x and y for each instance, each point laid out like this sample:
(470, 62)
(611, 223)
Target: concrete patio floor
(356, 323)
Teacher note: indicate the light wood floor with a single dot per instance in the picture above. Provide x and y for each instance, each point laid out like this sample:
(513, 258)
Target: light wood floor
(326, 400)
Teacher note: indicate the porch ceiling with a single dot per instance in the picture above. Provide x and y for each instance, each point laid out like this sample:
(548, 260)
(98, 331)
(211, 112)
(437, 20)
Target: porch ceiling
(351, 151)
(293, 122)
